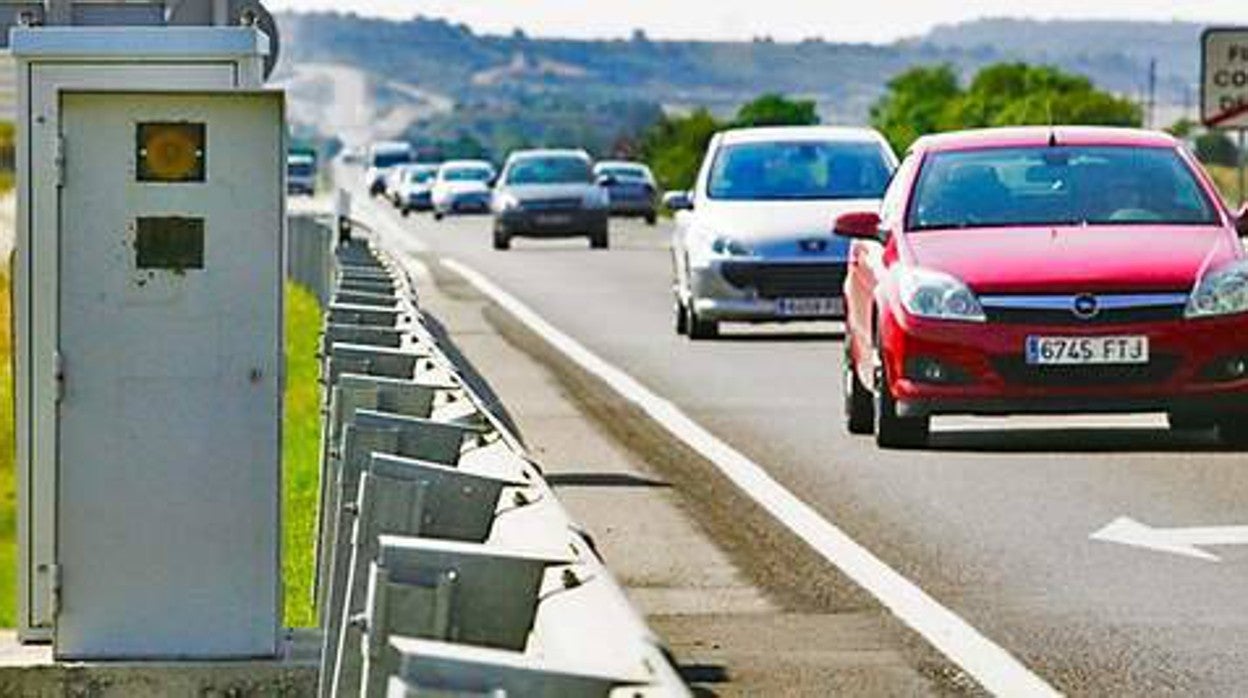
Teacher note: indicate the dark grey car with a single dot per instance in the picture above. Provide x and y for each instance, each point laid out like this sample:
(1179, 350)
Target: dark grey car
(550, 194)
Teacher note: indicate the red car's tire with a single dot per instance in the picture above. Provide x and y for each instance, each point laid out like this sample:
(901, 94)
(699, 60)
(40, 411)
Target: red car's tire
(891, 429)
(859, 402)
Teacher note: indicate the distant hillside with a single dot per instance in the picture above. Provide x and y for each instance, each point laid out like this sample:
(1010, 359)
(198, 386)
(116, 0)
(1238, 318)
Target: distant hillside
(1114, 54)
(506, 75)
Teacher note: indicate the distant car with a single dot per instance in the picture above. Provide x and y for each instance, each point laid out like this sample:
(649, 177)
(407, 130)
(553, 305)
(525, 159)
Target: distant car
(1052, 270)
(390, 182)
(631, 187)
(381, 158)
(753, 240)
(550, 194)
(414, 190)
(301, 174)
(462, 186)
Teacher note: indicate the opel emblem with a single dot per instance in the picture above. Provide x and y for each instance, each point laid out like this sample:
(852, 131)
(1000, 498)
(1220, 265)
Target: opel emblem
(1086, 307)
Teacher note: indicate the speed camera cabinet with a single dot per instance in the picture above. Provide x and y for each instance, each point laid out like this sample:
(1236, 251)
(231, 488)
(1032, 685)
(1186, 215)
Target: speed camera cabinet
(147, 282)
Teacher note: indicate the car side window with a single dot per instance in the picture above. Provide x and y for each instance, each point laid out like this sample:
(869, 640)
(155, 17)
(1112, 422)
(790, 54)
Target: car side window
(893, 207)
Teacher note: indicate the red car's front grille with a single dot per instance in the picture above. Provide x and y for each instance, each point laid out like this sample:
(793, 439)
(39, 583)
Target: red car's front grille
(1021, 316)
(1016, 371)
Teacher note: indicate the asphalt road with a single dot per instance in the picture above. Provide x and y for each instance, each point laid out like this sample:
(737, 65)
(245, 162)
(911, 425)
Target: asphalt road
(994, 520)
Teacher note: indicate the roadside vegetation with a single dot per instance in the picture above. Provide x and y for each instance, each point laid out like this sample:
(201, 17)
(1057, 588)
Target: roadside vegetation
(301, 436)
(8, 476)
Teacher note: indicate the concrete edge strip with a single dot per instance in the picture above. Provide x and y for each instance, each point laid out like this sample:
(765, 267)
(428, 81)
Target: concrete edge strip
(991, 665)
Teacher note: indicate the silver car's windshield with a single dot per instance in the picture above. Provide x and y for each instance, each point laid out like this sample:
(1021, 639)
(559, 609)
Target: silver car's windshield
(550, 170)
(468, 174)
(799, 170)
(1060, 185)
(631, 174)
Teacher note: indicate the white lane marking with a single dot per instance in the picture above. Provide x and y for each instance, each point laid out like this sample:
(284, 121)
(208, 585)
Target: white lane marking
(407, 242)
(1189, 542)
(994, 668)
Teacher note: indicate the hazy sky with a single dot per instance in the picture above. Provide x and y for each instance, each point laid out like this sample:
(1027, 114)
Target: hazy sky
(783, 19)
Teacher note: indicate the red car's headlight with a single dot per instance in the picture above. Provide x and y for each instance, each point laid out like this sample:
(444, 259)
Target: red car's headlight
(1223, 291)
(936, 295)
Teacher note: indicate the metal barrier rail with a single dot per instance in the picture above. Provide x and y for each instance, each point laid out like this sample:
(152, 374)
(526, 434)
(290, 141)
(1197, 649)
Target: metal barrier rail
(445, 565)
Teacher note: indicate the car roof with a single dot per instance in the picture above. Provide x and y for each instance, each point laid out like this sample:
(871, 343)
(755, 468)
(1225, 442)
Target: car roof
(621, 163)
(549, 152)
(1025, 136)
(466, 163)
(767, 134)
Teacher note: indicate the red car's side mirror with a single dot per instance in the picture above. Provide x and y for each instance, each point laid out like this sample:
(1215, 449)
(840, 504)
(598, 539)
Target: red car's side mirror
(861, 225)
(1241, 223)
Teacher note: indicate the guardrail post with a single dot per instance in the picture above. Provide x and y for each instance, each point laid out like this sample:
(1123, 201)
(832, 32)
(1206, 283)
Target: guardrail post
(400, 496)
(431, 667)
(456, 592)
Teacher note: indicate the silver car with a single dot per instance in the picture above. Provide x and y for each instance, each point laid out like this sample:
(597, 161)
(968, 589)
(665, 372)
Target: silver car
(754, 240)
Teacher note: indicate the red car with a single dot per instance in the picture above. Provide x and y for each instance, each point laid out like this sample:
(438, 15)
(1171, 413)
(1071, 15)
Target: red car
(1046, 270)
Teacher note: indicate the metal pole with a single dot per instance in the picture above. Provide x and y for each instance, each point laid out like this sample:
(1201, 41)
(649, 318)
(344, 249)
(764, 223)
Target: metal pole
(1243, 161)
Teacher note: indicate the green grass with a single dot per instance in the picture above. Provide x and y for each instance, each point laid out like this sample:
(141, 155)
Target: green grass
(300, 457)
(301, 436)
(8, 477)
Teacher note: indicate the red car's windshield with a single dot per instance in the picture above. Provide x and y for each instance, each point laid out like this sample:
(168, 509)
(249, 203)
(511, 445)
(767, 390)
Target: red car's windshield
(1059, 185)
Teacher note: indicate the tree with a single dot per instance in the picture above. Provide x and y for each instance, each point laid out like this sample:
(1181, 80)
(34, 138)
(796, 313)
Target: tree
(777, 110)
(927, 100)
(1216, 148)
(915, 103)
(674, 147)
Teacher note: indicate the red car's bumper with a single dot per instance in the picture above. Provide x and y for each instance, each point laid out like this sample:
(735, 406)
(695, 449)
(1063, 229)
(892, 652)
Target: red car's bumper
(985, 370)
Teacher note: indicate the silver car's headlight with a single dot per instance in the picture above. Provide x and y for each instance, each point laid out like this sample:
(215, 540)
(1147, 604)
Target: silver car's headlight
(598, 198)
(1223, 291)
(728, 247)
(506, 202)
(932, 294)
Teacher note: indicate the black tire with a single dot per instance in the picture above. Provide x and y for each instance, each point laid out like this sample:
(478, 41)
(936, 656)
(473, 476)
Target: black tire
(1190, 420)
(859, 402)
(682, 318)
(699, 328)
(407, 211)
(891, 429)
(652, 219)
(1233, 430)
(600, 240)
(438, 215)
(502, 240)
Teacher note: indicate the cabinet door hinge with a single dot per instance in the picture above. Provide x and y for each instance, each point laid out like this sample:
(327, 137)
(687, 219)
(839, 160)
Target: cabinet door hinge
(58, 364)
(60, 160)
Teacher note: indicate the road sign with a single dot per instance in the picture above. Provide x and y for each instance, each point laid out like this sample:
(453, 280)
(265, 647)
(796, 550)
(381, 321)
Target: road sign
(1224, 80)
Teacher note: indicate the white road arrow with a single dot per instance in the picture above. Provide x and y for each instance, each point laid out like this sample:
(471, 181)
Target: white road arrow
(1189, 542)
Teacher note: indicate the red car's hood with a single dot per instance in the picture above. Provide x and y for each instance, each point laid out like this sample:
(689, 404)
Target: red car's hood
(1074, 259)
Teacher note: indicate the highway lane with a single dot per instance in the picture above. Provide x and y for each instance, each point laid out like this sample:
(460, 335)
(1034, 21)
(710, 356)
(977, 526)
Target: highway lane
(994, 521)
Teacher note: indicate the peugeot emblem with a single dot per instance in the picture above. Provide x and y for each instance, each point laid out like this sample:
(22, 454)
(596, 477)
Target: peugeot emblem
(1086, 307)
(814, 245)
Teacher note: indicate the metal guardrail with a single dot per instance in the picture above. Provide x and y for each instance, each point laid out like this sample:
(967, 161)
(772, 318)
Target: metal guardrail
(445, 565)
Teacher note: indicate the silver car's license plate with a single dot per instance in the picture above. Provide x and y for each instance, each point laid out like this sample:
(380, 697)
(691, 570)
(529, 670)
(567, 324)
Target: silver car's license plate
(1087, 351)
(810, 307)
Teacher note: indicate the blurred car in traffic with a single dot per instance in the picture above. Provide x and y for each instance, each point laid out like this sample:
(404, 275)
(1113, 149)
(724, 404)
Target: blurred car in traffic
(301, 173)
(550, 194)
(381, 158)
(462, 186)
(753, 240)
(1046, 270)
(631, 187)
(414, 189)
